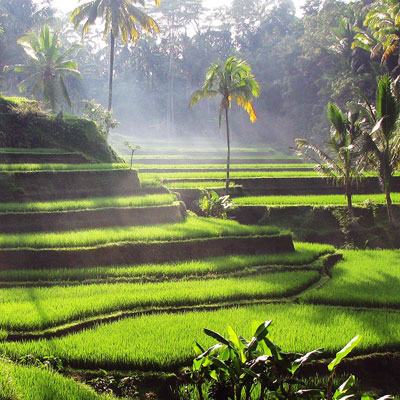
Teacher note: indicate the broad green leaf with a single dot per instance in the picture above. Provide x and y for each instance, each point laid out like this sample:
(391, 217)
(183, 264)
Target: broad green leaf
(344, 352)
(216, 336)
(238, 345)
(301, 360)
(344, 388)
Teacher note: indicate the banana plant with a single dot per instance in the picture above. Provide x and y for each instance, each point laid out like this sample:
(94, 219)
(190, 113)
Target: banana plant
(244, 364)
(238, 366)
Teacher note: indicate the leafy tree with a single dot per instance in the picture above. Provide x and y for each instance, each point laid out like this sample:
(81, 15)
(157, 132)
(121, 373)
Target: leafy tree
(382, 36)
(342, 166)
(381, 137)
(47, 68)
(121, 19)
(231, 80)
(103, 118)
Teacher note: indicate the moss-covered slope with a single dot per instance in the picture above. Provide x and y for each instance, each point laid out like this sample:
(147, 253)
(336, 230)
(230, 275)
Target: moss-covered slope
(24, 125)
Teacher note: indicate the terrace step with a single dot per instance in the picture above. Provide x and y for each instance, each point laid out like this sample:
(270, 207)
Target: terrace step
(191, 160)
(42, 158)
(87, 219)
(202, 170)
(141, 253)
(317, 185)
(47, 185)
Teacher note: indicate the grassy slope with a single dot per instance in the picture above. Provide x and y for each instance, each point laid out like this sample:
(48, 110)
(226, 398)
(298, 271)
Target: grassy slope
(88, 204)
(312, 200)
(236, 174)
(24, 125)
(219, 166)
(19, 382)
(305, 253)
(136, 342)
(363, 278)
(61, 167)
(39, 308)
(192, 227)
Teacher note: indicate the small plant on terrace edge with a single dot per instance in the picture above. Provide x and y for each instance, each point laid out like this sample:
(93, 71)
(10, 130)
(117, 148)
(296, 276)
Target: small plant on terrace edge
(132, 148)
(213, 205)
(236, 367)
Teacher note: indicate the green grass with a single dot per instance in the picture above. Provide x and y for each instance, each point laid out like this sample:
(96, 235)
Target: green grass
(191, 228)
(89, 204)
(235, 175)
(363, 278)
(305, 253)
(162, 167)
(15, 150)
(61, 167)
(197, 185)
(166, 341)
(312, 200)
(40, 308)
(19, 382)
(211, 156)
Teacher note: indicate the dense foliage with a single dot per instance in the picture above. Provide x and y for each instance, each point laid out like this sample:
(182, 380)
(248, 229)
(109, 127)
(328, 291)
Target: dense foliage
(301, 62)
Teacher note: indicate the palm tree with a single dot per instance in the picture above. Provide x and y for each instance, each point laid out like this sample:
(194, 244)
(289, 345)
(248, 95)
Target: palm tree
(381, 138)
(121, 19)
(342, 166)
(232, 80)
(48, 65)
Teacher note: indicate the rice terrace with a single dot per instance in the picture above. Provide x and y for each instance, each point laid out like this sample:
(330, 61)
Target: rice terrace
(221, 221)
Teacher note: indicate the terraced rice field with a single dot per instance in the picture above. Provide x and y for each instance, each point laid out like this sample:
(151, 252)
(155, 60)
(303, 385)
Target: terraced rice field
(191, 228)
(328, 315)
(313, 200)
(147, 316)
(61, 167)
(88, 204)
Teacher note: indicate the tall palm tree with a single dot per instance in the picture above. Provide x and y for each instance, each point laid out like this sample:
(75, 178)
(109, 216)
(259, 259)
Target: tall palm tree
(231, 80)
(121, 19)
(342, 163)
(48, 65)
(381, 137)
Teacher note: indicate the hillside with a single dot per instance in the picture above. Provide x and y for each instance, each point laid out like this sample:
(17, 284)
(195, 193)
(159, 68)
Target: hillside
(23, 124)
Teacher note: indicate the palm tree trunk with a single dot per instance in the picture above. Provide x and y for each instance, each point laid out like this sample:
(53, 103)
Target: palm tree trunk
(228, 155)
(349, 202)
(110, 82)
(389, 207)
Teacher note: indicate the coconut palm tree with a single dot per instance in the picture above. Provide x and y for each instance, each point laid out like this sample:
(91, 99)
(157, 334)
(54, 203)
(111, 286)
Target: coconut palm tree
(121, 20)
(381, 137)
(233, 80)
(47, 68)
(342, 163)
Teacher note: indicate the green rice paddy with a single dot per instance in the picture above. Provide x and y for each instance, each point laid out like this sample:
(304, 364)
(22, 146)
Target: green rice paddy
(219, 166)
(233, 175)
(40, 308)
(175, 301)
(30, 383)
(305, 253)
(312, 200)
(89, 204)
(236, 175)
(191, 228)
(156, 342)
(364, 278)
(197, 185)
